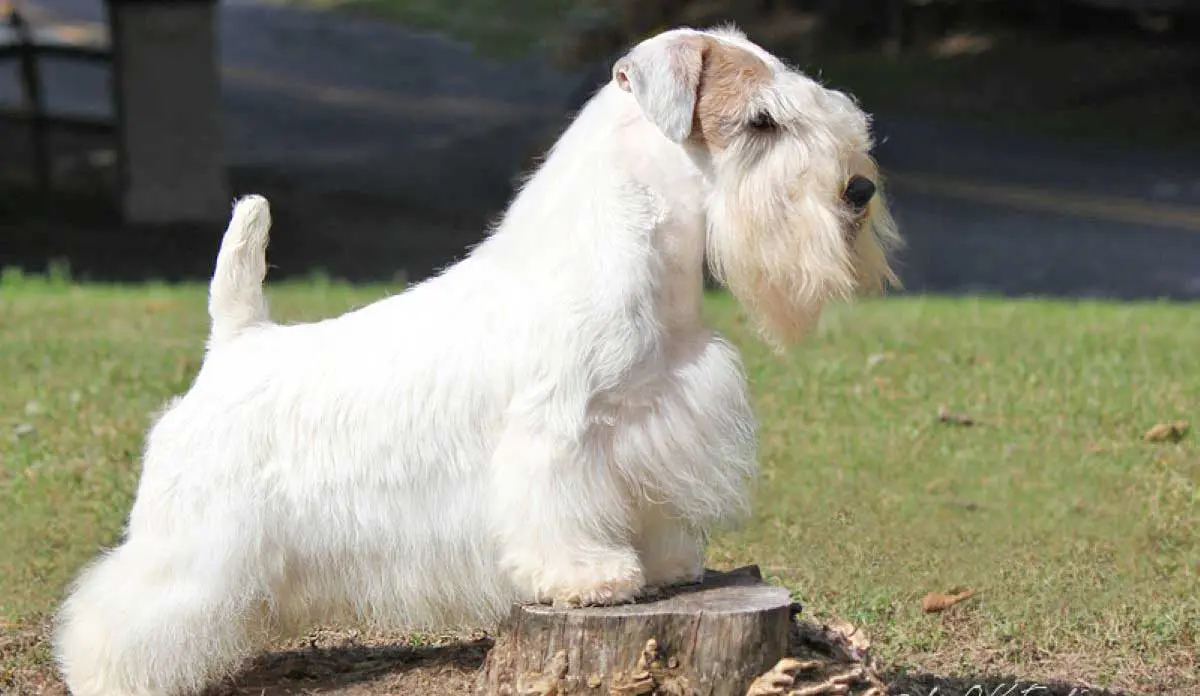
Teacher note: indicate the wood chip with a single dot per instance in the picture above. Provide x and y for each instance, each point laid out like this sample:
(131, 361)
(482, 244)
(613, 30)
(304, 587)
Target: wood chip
(823, 689)
(849, 677)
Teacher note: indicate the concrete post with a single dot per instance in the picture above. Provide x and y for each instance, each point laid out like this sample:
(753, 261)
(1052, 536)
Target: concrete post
(166, 81)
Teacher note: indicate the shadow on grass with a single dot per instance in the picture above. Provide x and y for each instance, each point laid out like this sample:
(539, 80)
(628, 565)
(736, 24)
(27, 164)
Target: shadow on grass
(362, 669)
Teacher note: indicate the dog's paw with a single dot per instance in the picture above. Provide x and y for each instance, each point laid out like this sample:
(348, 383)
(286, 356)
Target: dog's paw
(602, 594)
(578, 581)
(605, 584)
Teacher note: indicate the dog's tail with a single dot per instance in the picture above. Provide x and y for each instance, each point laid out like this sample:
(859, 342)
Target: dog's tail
(235, 296)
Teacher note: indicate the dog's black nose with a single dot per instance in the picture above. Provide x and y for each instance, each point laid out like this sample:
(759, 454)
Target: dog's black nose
(859, 191)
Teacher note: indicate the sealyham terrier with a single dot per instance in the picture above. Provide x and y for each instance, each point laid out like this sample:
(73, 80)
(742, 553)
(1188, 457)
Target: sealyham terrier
(548, 420)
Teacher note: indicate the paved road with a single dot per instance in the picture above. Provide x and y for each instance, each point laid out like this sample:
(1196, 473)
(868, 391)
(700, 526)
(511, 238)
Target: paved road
(350, 104)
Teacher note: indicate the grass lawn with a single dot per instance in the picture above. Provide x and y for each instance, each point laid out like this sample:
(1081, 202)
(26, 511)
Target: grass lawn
(1080, 538)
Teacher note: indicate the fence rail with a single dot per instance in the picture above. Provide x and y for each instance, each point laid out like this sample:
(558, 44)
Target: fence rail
(29, 46)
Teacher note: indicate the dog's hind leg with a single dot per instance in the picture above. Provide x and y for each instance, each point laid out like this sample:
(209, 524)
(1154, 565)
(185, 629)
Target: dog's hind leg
(151, 620)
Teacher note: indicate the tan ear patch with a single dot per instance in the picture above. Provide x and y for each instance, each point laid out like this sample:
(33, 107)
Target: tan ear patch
(727, 79)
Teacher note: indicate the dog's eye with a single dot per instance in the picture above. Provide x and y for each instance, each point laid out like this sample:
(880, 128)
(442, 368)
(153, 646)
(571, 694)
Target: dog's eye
(762, 121)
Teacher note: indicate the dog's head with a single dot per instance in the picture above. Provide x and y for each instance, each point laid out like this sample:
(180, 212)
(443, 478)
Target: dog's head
(796, 215)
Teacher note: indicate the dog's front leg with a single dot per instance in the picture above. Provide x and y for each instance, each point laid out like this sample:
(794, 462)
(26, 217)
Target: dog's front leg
(671, 548)
(562, 518)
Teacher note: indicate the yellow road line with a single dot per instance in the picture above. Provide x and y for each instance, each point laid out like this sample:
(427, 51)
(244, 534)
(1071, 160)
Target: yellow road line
(1104, 208)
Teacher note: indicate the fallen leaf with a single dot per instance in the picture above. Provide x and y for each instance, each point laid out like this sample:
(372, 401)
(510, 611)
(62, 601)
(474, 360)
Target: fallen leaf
(947, 416)
(936, 601)
(1167, 432)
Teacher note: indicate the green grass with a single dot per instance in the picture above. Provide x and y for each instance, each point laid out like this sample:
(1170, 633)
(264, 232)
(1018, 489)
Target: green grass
(1080, 537)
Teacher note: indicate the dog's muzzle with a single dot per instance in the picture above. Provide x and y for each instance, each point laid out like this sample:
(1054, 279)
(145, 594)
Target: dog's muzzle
(859, 191)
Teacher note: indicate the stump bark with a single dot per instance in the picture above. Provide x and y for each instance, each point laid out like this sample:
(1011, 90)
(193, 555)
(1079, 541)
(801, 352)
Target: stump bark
(709, 639)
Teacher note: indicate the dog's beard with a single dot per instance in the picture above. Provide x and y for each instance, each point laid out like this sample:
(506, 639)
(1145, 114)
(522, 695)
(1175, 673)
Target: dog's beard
(784, 254)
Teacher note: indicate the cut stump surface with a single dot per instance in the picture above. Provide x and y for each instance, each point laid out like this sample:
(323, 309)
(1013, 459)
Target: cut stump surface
(709, 639)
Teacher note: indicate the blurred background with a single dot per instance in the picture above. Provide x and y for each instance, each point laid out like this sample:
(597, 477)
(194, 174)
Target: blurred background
(1047, 147)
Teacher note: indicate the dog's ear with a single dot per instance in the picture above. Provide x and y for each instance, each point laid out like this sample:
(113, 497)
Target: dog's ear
(663, 74)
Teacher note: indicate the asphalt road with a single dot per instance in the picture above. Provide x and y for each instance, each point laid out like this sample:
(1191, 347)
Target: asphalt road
(353, 105)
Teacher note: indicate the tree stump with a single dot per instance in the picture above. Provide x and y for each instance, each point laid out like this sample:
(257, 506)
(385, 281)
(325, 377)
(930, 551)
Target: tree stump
(709, 639)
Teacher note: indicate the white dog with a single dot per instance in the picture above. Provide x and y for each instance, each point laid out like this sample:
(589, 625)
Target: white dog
(548, 420)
